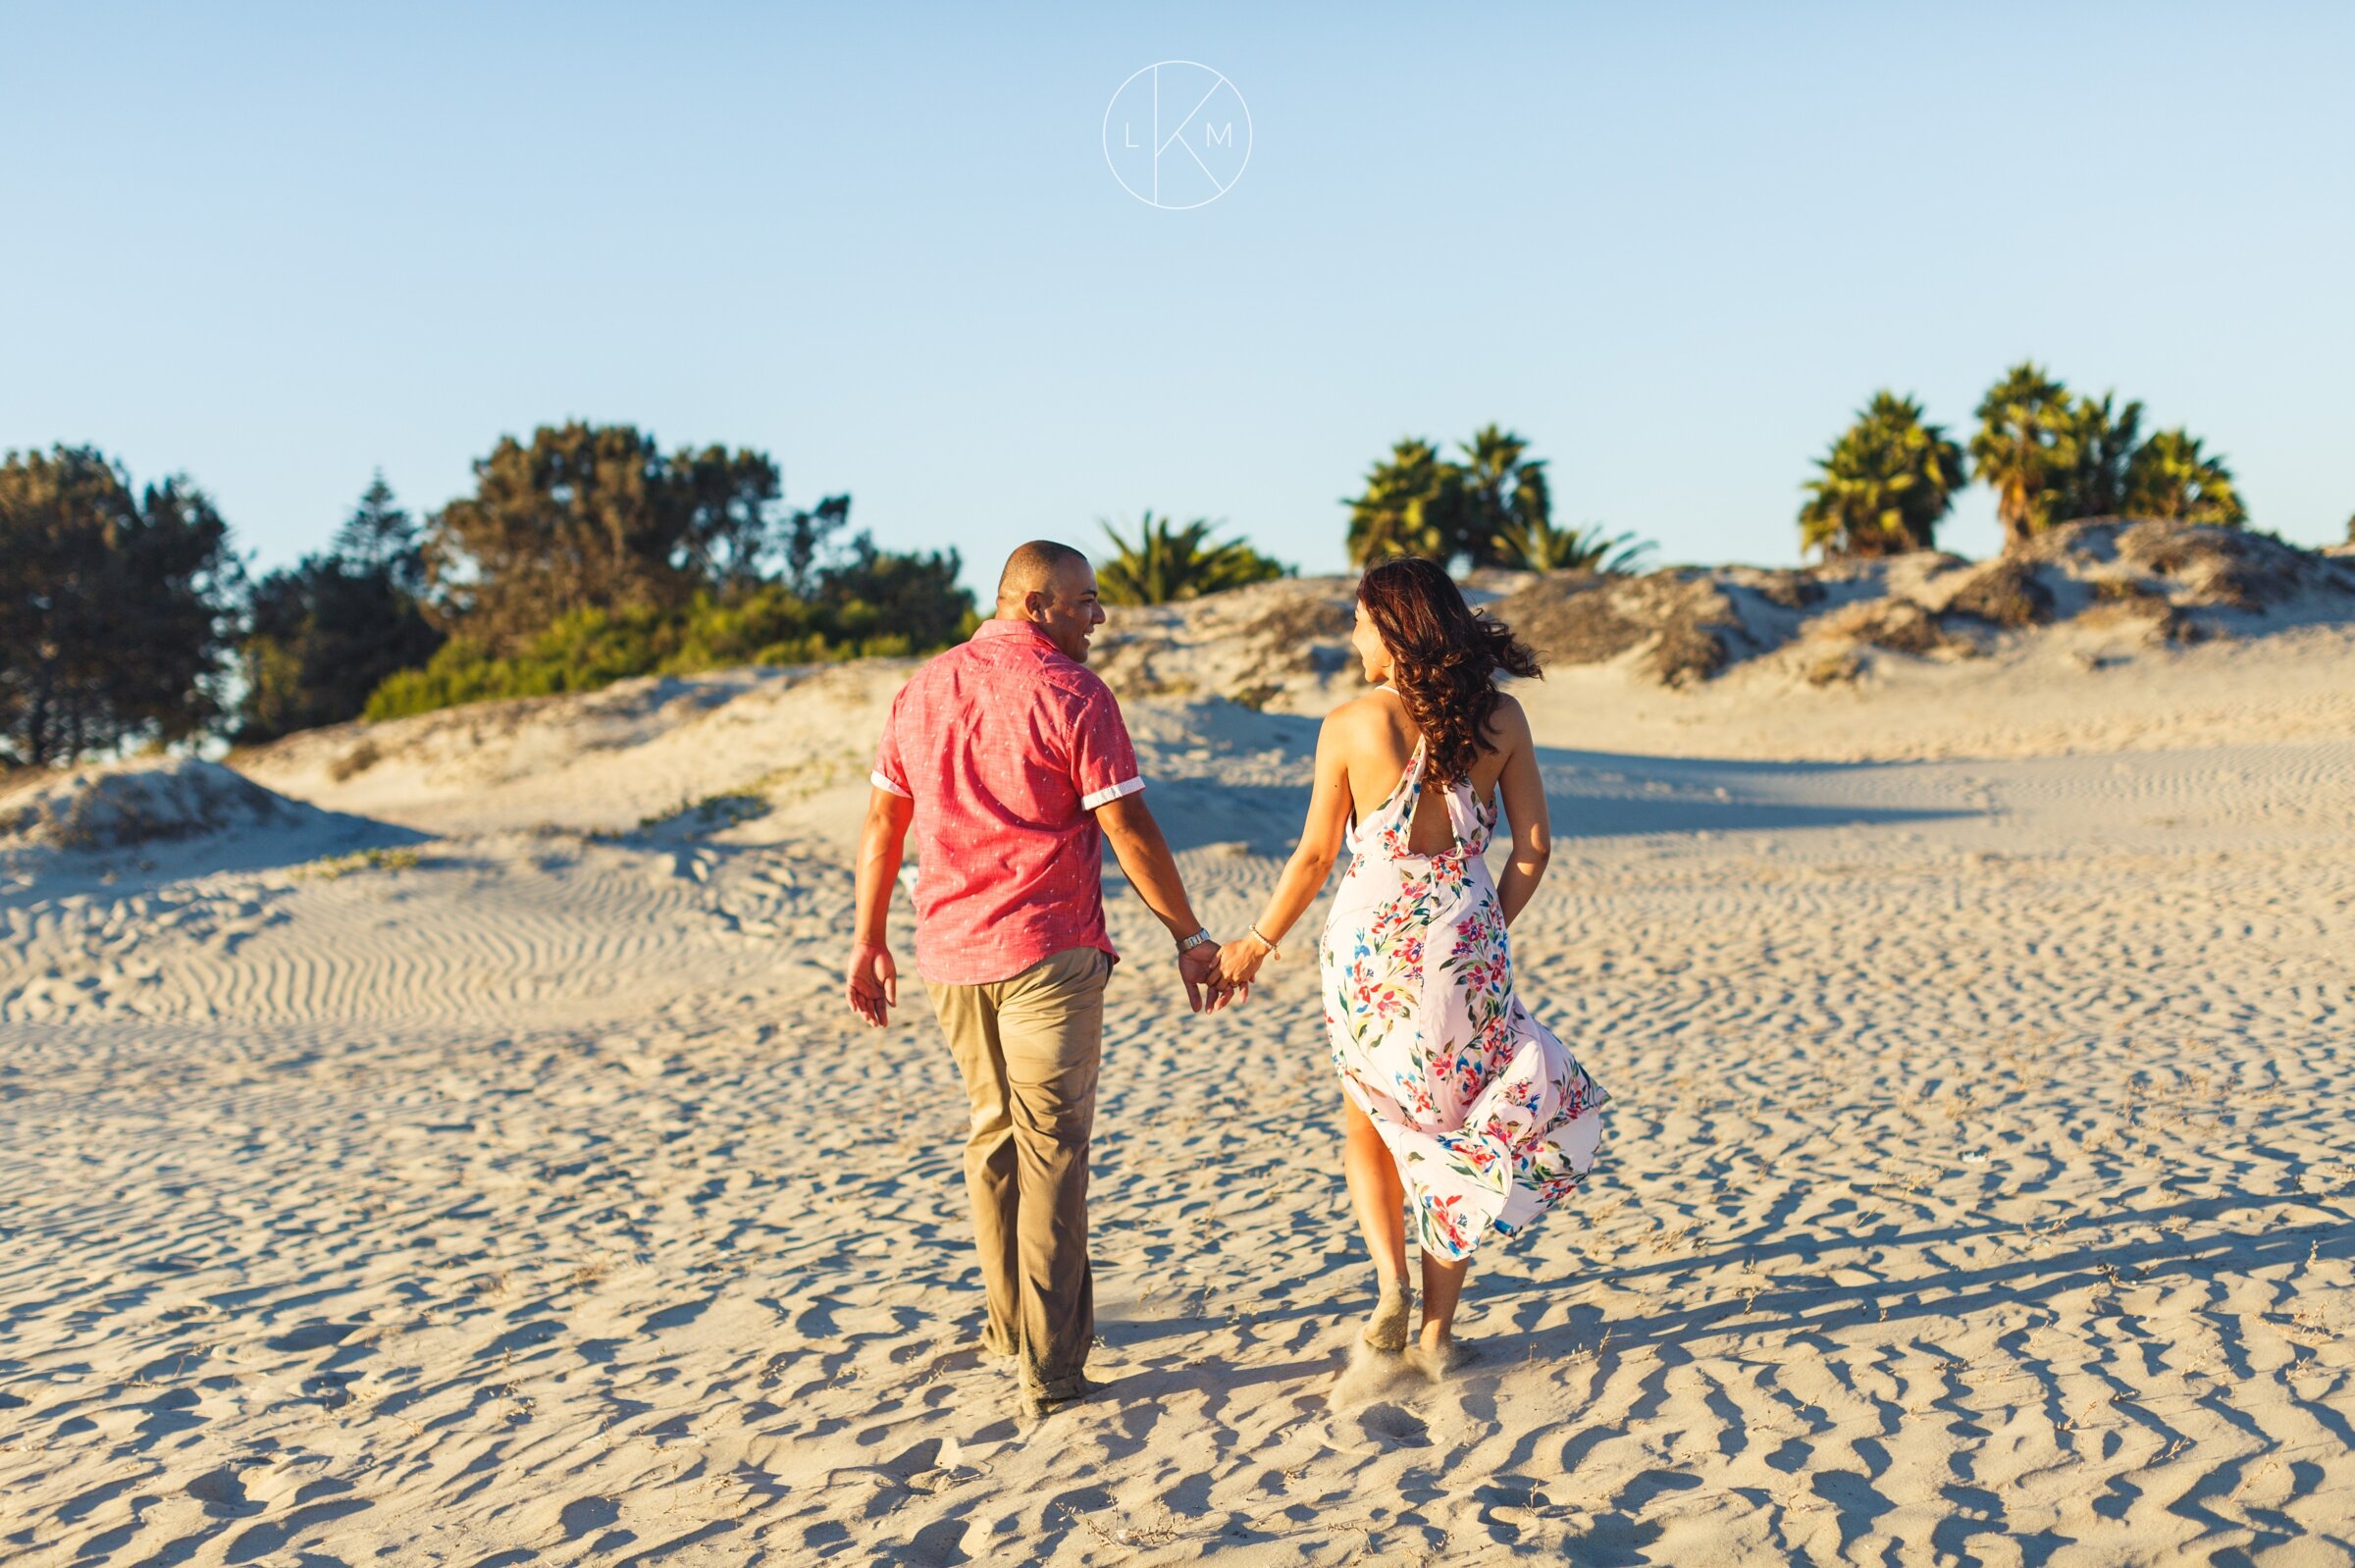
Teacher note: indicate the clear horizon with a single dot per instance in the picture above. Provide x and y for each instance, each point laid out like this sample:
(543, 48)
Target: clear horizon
(1674, 249)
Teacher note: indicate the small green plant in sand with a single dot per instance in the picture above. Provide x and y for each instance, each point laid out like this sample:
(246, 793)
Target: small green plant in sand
(380, 859)
(715, 812)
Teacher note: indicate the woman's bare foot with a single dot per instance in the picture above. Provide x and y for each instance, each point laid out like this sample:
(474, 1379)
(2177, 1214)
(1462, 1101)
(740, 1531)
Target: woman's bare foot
(1435, 1352)
(1386, 1330)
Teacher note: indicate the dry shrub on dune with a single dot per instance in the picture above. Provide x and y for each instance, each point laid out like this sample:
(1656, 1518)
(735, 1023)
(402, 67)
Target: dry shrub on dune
(2224, 568)
(358, 761)
(1779, 585)
(1302, 619)
(1568, 620)
(2003, 593)
(123, 805)
(1580, 619)
(1686, 653)
(1899, 625)
(2196, 567)
(2133, 599)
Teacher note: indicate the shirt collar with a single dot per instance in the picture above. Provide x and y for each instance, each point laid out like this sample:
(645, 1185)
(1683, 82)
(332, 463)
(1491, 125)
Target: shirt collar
(1004, 628)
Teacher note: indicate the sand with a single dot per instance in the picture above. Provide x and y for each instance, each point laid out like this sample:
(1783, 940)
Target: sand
(462, 1157)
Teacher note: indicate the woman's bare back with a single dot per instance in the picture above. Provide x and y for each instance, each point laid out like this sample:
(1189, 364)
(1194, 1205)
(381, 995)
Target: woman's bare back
(1382, 743)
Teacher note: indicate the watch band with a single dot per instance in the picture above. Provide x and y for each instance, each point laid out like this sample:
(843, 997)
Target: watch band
(1194, 941)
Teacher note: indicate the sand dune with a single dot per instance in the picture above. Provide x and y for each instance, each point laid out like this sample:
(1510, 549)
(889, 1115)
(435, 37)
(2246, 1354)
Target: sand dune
(478, 1168)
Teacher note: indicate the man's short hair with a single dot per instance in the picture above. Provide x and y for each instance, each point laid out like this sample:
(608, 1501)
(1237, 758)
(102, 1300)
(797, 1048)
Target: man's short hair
(1033, 568)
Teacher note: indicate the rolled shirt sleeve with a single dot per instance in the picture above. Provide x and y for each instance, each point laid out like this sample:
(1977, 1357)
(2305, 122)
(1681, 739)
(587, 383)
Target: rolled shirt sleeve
(1103, 761)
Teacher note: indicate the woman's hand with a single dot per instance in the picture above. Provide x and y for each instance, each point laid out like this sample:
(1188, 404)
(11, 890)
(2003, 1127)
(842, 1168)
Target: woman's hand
(1239, 961)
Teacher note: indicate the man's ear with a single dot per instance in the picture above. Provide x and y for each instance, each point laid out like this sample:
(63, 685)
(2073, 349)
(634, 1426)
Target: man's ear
(1034, 604)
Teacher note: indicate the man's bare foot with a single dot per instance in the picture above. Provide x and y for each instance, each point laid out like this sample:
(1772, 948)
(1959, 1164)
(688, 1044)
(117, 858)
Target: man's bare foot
(1386, 1330)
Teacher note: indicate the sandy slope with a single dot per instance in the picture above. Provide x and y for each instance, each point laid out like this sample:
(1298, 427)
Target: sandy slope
(1977, 1185)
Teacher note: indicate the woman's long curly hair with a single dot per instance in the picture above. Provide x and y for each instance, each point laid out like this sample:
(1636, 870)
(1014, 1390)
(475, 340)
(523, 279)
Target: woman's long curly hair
(1445, 659)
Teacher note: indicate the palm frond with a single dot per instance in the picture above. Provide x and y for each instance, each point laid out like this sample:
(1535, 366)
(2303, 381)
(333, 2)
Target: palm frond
(1884, 485)
(1165, 563)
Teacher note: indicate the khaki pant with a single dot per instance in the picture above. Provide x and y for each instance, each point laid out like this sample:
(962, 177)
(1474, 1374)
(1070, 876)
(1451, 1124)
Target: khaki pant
(1028, 1048)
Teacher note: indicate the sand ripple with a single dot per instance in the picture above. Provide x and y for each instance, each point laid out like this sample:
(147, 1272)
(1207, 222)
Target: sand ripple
(1978, 1186)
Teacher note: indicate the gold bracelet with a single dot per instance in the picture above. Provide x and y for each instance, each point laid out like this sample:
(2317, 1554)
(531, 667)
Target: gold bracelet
(1274, 950)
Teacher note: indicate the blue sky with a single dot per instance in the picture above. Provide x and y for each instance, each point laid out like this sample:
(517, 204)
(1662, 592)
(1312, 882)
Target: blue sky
(1673, 244)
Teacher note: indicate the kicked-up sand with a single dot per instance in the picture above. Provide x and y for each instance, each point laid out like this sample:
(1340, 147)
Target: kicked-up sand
(473, 1163)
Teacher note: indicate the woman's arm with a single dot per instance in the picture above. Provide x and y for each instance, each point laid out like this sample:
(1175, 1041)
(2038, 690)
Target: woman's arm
(1524, 808)
(1320, 845)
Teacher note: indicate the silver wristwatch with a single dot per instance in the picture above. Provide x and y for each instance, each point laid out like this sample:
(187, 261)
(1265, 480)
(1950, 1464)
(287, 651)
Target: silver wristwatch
(1194, 941)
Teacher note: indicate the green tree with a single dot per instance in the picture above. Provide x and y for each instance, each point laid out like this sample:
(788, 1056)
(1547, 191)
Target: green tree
(1417, 502)
(1165, 562)
(2025, 447)
(2102, 443)
(1543, 547)
(1502, 491)
(809, 544)
(595, 515)
(913, 596)
(1411, 505)
(380, 537)
(116, 607)
(2170, 477)
(732, 524)
(323, 634)
(1885, 484)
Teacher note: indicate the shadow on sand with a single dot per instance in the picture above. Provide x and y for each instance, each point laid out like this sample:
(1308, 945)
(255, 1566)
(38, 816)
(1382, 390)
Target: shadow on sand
(1595, 795)
(1798, 1316)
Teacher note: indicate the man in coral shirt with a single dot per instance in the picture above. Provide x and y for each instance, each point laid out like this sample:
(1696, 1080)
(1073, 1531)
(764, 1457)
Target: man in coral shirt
(1009, 757)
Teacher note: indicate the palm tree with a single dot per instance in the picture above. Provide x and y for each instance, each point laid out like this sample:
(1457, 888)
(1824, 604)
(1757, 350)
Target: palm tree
(1167, 563)
(1541, 547)
(1503, 489)
(1884, 485)
(2027, 444)
(1411, 506)
(2168, 476)
(2102, 441)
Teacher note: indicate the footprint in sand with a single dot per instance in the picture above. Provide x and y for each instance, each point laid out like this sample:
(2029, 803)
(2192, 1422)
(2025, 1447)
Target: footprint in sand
(1394, 1427)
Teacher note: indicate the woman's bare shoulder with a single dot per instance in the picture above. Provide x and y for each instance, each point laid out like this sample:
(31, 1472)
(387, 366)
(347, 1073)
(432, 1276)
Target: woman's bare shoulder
(1361, 713)
(1509, 720)
(1364, 725)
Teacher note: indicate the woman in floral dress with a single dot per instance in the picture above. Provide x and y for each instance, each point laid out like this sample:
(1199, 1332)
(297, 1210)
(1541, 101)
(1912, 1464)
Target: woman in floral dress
(1461, 1110)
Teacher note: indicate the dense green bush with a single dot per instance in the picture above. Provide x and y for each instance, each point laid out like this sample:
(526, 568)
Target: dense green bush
(910, 607)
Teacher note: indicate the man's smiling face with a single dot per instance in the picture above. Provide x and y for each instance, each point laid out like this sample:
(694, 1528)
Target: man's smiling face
(1069, 610)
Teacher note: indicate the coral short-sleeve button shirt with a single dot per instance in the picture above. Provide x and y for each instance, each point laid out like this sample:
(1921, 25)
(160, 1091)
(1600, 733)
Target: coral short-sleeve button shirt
(1007, 746)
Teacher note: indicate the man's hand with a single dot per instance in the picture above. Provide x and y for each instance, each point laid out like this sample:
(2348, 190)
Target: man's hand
(873, 984)
(1198, 967)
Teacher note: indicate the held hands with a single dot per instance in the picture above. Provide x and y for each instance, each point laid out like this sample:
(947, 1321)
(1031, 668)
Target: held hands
(872, 983)
(1240, 962)
(1198, 967)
